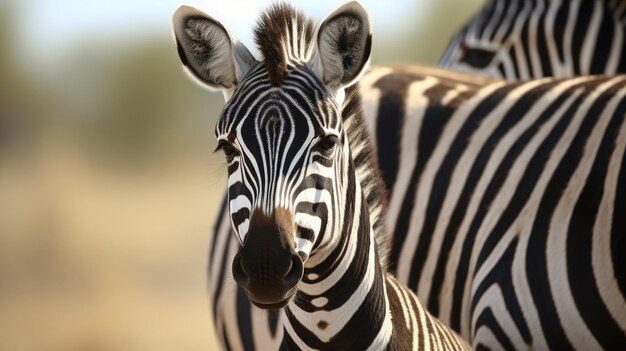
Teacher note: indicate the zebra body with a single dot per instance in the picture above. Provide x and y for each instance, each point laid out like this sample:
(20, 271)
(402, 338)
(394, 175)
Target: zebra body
(508, 221)
(542, 38)
(411, 101)
(304, 197)
(493, 258)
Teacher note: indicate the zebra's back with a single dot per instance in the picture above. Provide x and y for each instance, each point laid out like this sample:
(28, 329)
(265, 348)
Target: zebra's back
(506, 206)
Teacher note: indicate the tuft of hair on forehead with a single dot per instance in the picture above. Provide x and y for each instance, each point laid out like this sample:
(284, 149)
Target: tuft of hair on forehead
(284, 36)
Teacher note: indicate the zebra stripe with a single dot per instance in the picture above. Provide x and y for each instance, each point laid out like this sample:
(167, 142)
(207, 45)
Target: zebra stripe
(496, 273)
(501, 325)
(534, 39)
(296, 163)
(476, 261)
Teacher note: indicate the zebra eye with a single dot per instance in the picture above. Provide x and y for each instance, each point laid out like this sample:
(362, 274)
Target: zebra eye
(329, 142)
(479, 58)
(228, 149)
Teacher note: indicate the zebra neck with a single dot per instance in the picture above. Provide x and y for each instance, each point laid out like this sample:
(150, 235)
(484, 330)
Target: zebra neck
(345, 293)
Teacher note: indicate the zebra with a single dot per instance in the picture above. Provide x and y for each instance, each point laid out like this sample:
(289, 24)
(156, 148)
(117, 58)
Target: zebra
(432, 98)
(301, 177)
(470, 260)
(541, 38)
(507, 204)
(239, 325)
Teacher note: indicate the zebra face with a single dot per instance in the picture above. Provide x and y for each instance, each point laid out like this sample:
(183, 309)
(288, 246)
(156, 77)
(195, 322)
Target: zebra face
(285, 155)
(493, 42)
(475, 55)
(282, 145)
(282, 135)
(489, 42)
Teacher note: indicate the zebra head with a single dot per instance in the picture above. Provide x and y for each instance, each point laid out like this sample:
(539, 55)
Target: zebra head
(282, 134)
(525, 39)
(490, 42)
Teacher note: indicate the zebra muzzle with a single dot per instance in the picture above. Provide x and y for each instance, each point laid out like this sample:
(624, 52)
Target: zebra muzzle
(267, 267)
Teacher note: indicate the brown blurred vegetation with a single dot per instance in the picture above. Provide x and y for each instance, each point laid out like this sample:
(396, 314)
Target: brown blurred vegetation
(108, 189)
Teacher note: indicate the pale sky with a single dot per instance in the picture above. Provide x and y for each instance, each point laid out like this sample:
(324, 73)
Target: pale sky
(52, 25)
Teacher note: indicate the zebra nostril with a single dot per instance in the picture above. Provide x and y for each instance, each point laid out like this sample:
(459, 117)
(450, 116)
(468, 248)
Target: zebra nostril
(239, 271)
(295, 273)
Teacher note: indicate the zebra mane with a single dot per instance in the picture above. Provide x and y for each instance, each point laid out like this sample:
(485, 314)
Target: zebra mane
(284, 36)
(367, 168)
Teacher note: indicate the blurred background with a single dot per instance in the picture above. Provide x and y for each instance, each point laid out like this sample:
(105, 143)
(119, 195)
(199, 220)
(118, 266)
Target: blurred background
(108, 186)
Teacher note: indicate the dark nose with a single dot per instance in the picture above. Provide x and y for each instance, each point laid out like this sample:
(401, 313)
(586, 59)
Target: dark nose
(267, 267)
(266, 275)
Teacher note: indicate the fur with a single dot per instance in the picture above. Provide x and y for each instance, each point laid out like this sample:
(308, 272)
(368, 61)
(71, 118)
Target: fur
(210, 50)
(366, 164)
(284, 36)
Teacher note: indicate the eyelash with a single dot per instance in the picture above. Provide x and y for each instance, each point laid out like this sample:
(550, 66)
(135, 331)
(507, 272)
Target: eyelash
(328, 143)
(229, 151)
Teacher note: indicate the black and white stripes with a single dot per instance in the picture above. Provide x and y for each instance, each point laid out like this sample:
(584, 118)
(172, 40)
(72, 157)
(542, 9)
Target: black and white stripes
(304, 195)
(506, 210)
(510, 226)
(506, 213)
(542, 38)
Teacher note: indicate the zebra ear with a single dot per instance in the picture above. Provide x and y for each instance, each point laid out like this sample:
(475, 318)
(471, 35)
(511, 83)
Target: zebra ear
(207, 50)
(344, 43)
